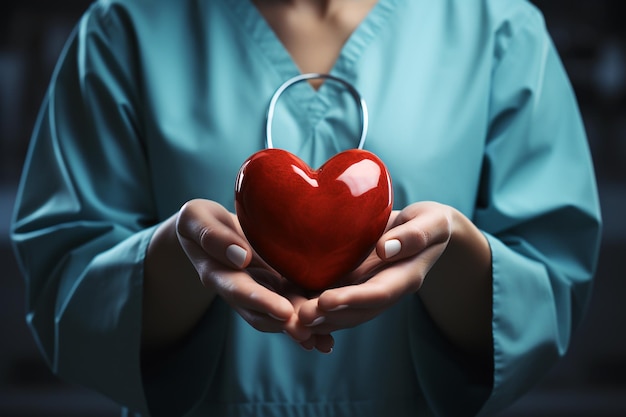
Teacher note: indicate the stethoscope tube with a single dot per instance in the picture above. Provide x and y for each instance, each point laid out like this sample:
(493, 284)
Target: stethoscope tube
(269, 143)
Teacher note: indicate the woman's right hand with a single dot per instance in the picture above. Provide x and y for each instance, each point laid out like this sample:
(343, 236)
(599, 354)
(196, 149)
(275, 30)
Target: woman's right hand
(227, 265)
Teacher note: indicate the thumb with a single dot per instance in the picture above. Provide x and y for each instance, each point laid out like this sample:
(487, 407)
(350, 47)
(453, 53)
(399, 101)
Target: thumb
(418, 228)
(206, 228)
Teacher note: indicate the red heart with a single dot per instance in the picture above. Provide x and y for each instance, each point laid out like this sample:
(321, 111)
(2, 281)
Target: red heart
(313, 226)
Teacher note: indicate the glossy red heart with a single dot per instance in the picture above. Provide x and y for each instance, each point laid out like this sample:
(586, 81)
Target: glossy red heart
(313, 226)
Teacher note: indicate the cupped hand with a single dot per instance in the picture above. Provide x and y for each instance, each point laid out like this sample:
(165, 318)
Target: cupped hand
(414, 240)
(215, 244)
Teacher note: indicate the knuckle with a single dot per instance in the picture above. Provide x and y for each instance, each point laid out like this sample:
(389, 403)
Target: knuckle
(424, 237)
(189, 209)
(420, 236)
(206, 235)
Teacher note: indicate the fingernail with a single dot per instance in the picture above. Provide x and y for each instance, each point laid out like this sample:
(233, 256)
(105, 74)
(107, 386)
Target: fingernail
(392, 248)
(339, 307)
(237, 255)
(317, 321)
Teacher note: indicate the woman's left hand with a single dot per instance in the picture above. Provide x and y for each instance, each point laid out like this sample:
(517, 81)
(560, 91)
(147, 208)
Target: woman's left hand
(414, 240)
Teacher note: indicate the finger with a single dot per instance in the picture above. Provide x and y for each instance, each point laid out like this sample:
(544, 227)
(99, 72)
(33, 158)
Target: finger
(378, 293)
(349, 306)
(415, 229)
(321, 322)
(215, 231)
(346, 309)
(388, 285)
(296, 331)
(258, 303)
(244, 293)
(323, 343)
(260, 321)
(292, 327)
(308, 344)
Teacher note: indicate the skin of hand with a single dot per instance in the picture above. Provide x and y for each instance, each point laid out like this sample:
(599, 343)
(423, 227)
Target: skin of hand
(416, 238)
(227, 266)
(428, 249)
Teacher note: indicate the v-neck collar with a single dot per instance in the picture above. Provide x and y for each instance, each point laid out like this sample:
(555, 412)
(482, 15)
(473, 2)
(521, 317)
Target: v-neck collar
(270, 45)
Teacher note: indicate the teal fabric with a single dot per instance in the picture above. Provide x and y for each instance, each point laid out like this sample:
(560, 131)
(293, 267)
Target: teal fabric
(157, 102)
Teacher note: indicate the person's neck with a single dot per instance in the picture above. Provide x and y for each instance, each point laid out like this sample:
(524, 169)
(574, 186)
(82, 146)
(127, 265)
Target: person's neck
(314, 31)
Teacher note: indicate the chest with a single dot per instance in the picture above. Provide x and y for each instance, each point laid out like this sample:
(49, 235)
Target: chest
(426, 100)
(314, 36)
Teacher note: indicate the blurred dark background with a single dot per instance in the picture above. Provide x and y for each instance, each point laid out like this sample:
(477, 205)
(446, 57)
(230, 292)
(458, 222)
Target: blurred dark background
(590, 381)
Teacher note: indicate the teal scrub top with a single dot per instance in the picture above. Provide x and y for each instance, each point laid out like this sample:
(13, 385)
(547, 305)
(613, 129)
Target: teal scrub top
(156, 102)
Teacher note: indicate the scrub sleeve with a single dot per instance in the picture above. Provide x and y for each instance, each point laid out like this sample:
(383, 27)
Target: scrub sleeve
(538, 209)
(85, 218)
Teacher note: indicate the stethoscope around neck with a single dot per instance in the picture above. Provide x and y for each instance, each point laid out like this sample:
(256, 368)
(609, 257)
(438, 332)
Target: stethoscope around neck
(269, 143)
